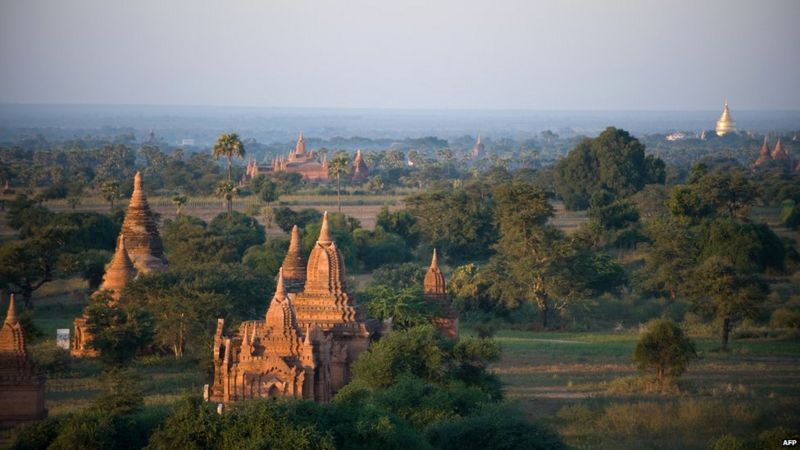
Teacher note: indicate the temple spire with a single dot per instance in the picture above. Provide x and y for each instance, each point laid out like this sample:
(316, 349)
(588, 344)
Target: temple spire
(119, 271)
(280, 288)
(294, 265)
(325, 232)
(434, 262)
(778, 152)
(137, 181)
(11, 316)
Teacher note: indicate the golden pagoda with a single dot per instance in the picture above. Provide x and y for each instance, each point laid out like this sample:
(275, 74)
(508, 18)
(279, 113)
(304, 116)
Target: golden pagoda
(725, 124)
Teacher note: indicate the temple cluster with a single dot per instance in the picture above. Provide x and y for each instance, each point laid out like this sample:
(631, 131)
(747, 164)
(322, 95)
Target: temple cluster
(312, 330)
(309, 164)
(777, 157)
(311, 334)
(139, 250)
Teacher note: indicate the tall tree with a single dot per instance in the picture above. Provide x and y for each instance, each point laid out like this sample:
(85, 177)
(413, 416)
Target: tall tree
(228, 145)
(226, 190)
(613, 161)
(337, 167)
(27, 264)
(179, 200)
(728, 294)
(110, 191)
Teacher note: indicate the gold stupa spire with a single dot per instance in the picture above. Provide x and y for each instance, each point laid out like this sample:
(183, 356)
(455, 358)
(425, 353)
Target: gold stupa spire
(725, 124)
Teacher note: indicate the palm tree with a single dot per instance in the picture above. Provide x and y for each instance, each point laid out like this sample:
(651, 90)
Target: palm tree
(338, 166)
(179, 200)
(228, 146)
(226, 190)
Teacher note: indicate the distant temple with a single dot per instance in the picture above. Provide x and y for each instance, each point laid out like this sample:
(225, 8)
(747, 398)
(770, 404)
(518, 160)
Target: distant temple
(311, 334)
(477, 150)
(21, 386)
(360, 169)
(306, 163)
(778, 157)
(725, 124)
(138, 250)
(435, 291)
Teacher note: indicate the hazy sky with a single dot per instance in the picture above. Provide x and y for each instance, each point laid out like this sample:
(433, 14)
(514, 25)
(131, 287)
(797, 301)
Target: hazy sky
(500, 54)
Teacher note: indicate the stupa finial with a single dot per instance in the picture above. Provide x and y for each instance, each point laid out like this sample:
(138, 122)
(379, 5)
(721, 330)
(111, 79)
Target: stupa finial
(325, 232)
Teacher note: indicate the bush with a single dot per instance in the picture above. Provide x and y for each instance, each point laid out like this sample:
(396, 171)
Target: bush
(665, 349)
(494, 429)
(49, 358)
(785, 318)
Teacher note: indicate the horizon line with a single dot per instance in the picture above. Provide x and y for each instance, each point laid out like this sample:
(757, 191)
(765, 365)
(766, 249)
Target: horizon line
(382, 109)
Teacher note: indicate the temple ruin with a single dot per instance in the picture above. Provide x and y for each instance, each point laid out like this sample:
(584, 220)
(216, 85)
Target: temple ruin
(21, 386)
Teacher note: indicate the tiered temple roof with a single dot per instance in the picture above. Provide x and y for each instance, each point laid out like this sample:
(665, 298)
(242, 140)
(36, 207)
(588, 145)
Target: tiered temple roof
(141, 232)
(21, 386)
(304, 346)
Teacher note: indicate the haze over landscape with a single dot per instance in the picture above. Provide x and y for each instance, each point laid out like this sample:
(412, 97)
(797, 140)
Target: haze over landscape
(423, 224)
(574, 55)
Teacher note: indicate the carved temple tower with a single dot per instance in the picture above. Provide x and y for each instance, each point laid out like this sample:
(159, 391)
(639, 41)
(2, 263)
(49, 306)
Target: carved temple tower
(21, 386)
(435, 290)
(310, 336)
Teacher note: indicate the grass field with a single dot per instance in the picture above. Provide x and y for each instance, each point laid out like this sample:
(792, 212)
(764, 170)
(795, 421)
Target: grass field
(564, 380)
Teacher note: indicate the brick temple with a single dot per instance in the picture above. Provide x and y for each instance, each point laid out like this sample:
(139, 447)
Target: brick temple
(21, 386)
(435, 291)
(311, 334)
(139, 250)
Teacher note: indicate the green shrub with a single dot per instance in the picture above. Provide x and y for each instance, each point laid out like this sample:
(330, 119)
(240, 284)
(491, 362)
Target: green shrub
(494, 429)
(49, 358)
(664, 349)
(785, 318)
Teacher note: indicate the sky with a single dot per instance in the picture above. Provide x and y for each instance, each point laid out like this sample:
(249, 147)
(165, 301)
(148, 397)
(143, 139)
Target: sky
(404, 54)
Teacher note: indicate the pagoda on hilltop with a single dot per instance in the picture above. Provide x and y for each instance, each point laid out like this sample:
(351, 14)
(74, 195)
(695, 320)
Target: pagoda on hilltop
(310, 336)
(118, 273)
(725, 124)
(435, 291)
(21, 385)
(141, 232)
